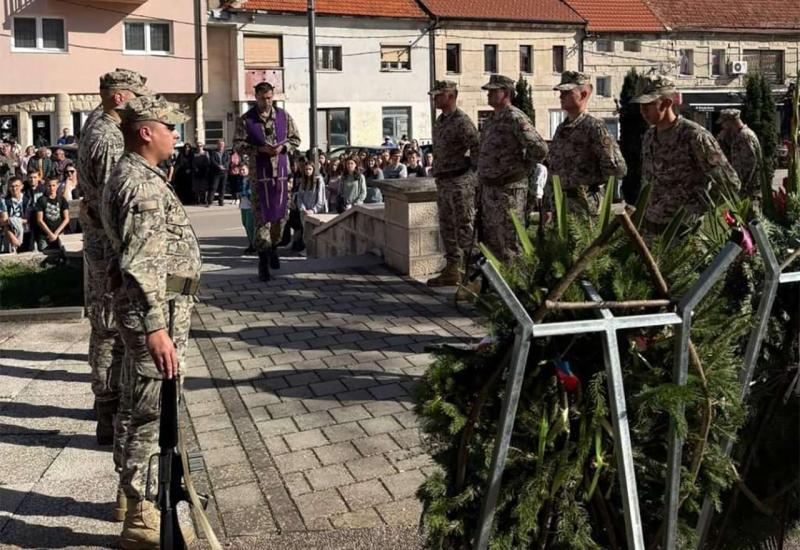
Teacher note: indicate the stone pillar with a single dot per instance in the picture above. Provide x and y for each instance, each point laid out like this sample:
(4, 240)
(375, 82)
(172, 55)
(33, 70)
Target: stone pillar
(199, 125)
(63, 115)
(413, 244)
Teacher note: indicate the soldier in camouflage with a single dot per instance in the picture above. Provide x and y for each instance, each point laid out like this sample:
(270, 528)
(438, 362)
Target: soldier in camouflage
(582, 153)
(455, 150)
(99, 149)
(267, 136)
(155, 276)
(510, 147)
(681, 160)
(740, 144)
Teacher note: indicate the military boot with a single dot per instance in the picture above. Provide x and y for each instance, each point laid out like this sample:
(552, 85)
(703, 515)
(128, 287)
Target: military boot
(121, 506)
(105, 421)
(450, 276)
(263, 265)
(274, 260)
(142, 527)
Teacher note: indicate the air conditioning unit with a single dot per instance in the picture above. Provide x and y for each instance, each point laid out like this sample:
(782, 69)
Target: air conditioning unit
(738, 67)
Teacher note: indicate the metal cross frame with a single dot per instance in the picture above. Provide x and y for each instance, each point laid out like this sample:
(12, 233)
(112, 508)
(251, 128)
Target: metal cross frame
(773, 278)
(608, 325)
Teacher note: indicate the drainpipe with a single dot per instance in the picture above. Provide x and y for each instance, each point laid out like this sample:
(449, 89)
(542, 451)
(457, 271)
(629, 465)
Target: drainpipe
(199, 126)
(432, 41)
(581, 39)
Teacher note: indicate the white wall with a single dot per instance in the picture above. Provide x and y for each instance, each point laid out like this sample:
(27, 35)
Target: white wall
(361, 86)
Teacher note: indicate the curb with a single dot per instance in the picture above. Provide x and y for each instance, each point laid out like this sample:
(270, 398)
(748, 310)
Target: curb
(43, 314)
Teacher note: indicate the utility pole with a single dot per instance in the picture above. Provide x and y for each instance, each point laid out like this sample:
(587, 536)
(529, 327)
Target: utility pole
(312, 81)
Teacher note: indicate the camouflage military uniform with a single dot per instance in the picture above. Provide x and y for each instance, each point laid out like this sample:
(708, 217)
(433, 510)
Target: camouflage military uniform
(682, 164)
(584, 155)
(510, 147)
(743, 150)
(100, 148)
(156, 253)
(455, 150)
(266, 234)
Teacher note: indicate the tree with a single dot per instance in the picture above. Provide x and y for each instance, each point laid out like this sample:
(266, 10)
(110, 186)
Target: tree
(632, 128)
(523, 98)
(760, 115)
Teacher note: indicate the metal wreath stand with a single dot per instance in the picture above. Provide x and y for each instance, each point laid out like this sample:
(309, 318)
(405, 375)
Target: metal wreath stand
(608, 324)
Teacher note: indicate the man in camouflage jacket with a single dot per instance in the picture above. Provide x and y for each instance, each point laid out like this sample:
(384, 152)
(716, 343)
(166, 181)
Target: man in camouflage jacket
(743, 150)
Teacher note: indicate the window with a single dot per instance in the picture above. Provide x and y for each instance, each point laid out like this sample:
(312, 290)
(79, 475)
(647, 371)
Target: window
(604, 45)
(717, 62)
(147, 37)
(395, 58)
(9, 127)
(557, 116)
(214, 131)
(39, 33)
(526, 59)
(632, 45)
(604, 86)
(454, 58)
(483, 116)
(686, 62)
(612, 124)
(558, 59)
(767, 62)
(490, 58)
(333, 128)
(329, 58)
(397, 122)
(262, 51)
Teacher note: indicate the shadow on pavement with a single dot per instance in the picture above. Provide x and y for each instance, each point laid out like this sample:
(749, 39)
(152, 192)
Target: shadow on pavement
(14, 409)
(59, 375)
(52, 439)
(25, 355)
(19, 534)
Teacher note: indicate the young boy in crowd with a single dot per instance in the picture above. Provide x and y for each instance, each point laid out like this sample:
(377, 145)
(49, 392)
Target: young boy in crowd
(246, 210)
(14, 217)
(52, 215)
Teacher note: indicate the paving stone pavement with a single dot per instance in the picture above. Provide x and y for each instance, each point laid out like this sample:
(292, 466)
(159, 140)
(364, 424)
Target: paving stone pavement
(299, 392)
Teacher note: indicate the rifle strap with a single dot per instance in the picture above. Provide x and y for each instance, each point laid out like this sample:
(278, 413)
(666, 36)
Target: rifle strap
(199, 513)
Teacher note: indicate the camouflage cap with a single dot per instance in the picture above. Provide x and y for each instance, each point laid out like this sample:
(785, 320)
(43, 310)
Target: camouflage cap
(125, 79)
(652, 86)
(440, 86)
(498, 82)
(151, 108)
(729, 114)
(571, 80)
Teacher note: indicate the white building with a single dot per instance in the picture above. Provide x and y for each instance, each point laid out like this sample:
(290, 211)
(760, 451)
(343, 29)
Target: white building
(373, 68)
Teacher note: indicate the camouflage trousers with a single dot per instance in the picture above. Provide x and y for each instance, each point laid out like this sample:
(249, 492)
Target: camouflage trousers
(455, 198)
(497, 228)
(267, 234)
(140, 405)
(580, 201)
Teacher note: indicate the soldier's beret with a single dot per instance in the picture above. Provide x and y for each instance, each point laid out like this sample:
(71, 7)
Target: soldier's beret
(125, 79)
(729, 114)
(653, 86)
(151, 108)
(441, 86)
(498, 82)
(572, 79)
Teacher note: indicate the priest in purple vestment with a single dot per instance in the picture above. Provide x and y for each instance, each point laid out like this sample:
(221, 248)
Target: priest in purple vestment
(267, 136)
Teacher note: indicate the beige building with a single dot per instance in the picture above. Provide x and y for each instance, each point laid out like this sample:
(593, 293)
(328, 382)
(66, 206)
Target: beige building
(52, 54)
(538, 40)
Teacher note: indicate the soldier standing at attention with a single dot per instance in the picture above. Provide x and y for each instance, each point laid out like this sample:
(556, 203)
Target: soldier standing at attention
(100, 148)
(680, 158)
(582, 153)
(155, 274)
(743, 150)
(268, 137)
(455, 148)
(510, 147)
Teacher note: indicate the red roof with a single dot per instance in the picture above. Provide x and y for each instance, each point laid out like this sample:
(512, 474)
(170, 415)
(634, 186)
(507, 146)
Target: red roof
(375, 8)
(617, 15)
(728, 14)
(550, 11)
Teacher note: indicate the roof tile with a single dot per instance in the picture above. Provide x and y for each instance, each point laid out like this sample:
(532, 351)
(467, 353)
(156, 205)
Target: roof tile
(728, 14)
(551, 11)
(617, 15)
(377, 8)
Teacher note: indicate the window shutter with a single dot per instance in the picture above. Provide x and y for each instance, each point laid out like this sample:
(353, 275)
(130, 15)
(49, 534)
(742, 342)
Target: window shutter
(262, 51)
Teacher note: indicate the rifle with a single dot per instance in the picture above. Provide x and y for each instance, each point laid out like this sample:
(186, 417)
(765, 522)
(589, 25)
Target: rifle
(174, 469)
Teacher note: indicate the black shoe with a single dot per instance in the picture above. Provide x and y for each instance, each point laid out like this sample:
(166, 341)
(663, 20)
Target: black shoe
(208, 205)
(274, 260)
(286, 238)
(263, 266)
(249, 251)
(298, 246)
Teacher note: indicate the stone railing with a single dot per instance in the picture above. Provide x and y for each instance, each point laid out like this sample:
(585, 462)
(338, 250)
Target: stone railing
(404, 229)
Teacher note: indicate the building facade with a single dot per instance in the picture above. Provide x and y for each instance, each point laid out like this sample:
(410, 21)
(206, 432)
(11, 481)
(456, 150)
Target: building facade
(373, 69)
(52, 54)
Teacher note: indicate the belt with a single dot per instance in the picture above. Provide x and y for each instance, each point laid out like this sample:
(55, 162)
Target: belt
(504, 180)
(183, 285)
(453, 173)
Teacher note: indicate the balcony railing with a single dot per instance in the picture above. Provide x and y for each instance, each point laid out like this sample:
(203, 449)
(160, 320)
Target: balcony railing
(253, 76)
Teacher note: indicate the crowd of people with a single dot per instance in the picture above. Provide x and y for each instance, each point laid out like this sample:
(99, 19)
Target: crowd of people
(36, 185)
